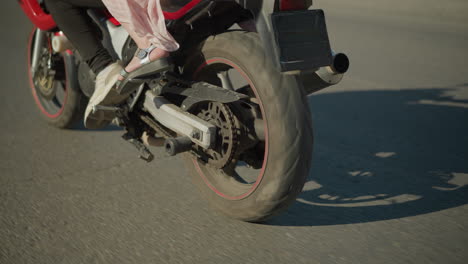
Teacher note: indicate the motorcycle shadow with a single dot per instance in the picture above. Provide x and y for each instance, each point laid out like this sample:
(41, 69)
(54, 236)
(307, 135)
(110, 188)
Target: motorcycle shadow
(81, 127)
(383, 155)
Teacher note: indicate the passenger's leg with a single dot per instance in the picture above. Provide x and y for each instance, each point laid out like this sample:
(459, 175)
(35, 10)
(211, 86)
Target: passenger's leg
(142, 43)
(145, 23)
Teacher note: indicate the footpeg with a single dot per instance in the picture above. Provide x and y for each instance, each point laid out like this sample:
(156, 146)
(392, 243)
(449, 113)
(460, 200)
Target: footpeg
(145, 153)
(97, 108)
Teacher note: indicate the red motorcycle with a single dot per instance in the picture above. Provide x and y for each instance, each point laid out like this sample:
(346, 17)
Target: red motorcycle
(234, 106)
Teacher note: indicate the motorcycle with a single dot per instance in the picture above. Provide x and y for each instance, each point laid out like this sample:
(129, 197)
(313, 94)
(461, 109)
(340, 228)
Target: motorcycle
(234, 105)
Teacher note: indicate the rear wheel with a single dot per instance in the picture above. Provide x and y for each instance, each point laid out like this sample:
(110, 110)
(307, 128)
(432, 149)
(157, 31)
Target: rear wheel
(54, 86)
(264, 148)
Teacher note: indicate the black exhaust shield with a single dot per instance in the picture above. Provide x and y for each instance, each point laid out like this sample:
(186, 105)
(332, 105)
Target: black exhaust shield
(296, 40)
(302, 40)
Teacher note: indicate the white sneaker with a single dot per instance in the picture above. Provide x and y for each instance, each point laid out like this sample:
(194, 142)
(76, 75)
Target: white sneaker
(104, 95)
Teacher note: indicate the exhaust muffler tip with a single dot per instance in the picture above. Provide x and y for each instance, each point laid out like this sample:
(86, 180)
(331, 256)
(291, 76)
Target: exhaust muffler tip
(340, 63)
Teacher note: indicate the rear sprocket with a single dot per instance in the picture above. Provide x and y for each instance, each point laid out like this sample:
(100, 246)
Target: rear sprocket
(227, 134)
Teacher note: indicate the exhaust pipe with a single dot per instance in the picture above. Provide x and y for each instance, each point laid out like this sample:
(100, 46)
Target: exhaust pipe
(325, 76)
(340, 63)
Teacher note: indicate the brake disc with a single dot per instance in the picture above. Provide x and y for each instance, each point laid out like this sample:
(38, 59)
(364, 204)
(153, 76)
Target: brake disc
(44, 79)
(46, 86)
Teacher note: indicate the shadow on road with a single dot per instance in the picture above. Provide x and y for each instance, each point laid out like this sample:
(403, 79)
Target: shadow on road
(81, 127)
(383, 155)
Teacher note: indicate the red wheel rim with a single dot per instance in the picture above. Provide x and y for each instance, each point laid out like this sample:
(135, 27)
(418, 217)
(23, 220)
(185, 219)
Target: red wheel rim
(37, 100)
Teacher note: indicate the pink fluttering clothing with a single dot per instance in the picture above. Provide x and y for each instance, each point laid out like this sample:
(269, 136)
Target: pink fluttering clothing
(145, 18)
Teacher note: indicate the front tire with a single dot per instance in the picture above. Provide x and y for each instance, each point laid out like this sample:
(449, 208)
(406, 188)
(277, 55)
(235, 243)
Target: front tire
(288, 130)
(64, 106)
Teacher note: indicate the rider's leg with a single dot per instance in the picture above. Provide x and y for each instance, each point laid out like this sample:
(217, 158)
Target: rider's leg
(107, 96)
(71, 17)
(145, 23)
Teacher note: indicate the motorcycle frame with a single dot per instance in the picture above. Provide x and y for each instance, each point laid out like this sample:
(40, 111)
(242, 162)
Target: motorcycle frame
(176, 119)
(262, 12)
(35, 12)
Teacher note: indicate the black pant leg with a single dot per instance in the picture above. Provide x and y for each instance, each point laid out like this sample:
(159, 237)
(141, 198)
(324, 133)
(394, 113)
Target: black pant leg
(72, 19)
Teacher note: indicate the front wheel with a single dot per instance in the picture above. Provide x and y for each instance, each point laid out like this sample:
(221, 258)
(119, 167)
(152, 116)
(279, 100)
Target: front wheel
(264, 175)
(54, 86)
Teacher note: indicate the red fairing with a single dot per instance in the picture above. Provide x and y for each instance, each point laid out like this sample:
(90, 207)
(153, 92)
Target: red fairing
(45, 21)
(181, 12)
(112, 19)
(289, 5)
(35, 13)
(167, 15)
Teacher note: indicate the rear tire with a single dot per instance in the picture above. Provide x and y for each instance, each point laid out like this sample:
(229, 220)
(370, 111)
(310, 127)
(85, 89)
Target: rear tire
(66, 109)
(288, 132)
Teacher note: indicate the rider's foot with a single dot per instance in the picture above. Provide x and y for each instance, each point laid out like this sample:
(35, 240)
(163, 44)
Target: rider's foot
(104, 95)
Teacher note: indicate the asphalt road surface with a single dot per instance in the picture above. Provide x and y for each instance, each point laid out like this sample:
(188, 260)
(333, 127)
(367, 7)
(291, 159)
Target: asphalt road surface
(389, 182)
